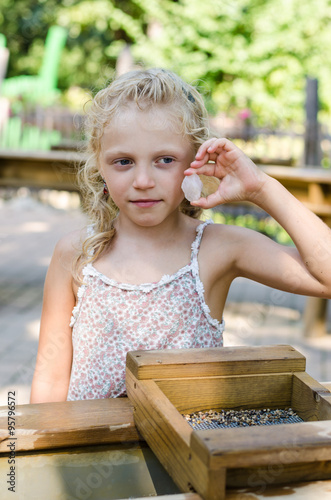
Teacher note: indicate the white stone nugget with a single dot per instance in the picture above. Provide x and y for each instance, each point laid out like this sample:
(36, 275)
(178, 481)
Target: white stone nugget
(192, 186)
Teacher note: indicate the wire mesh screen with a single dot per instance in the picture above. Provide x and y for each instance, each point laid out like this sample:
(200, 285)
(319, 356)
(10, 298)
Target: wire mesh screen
(211, 419)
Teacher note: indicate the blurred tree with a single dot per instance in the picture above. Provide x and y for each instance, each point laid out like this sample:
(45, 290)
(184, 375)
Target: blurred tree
(246, 54)
(25, 25)
(251, 54)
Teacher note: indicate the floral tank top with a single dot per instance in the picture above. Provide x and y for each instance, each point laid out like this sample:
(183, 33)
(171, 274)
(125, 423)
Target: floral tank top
(112, 318)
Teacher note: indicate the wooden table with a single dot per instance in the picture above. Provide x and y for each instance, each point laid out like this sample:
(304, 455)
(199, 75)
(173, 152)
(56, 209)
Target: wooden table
(78, 450)
(312, 186)
(51, 431)
(39, 169)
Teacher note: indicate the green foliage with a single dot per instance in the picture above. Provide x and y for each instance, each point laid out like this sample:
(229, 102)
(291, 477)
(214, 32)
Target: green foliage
(243, 54)
(265, 225)
(16, 135)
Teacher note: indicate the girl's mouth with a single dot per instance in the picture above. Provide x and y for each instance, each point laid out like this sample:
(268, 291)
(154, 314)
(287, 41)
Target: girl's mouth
(145, 203)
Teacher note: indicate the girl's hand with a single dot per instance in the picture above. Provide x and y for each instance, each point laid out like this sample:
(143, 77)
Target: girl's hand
(240, 178)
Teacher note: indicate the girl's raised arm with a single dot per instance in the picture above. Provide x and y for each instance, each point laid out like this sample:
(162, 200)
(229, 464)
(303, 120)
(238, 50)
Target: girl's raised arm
(52, 373)
(305, 269)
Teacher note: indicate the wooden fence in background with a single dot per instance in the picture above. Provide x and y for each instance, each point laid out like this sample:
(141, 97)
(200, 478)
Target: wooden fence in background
(38, 128)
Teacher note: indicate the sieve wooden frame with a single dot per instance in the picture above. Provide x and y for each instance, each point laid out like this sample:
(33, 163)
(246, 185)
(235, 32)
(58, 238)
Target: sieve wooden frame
(164, 384)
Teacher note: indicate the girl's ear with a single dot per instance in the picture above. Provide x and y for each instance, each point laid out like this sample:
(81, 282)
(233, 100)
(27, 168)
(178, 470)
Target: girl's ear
(105, 188)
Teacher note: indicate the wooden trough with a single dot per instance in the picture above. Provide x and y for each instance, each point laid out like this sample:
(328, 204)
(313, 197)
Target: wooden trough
(164, 385)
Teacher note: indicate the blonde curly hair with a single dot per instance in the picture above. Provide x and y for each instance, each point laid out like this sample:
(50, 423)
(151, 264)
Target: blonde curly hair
(146, 88)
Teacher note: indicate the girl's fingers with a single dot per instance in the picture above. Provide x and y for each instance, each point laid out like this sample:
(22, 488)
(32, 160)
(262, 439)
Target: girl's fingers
(211, 201)
(197, 164)
(211, 146)
(204, 168)
(207, 158)
(218, 144)
(204, 165)
(203, 149)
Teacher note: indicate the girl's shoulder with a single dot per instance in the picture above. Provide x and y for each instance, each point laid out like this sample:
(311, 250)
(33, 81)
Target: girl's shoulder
(69, 245)
(66, 251)
(229, 239)
(227, 233)
(216, 233)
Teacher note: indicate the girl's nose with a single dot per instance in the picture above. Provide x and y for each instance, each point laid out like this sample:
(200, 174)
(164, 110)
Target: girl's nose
(143, 178)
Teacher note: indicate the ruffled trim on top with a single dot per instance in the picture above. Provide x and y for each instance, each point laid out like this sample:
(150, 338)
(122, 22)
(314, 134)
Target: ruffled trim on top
(80, 294)
(196, 243)
(90, 271)
(143, 287)
(199, 285)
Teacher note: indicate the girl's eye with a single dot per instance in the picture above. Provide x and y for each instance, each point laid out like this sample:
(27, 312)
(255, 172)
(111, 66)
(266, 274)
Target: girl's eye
(166, 160)
(123, 162)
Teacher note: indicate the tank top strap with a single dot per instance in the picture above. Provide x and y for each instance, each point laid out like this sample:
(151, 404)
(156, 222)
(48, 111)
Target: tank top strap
(196, 243)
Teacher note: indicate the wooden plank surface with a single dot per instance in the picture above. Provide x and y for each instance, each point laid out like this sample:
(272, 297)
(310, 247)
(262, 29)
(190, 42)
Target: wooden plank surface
(310, 399)
(100, 411)
(232, 392)
(168, 435)
(282, 473)
(71, 423)
(39, 169)
(218, 361)
(179, 496)
(312, 186)
(257, 446)
(40, 156)
(265, 490)
(301, 175)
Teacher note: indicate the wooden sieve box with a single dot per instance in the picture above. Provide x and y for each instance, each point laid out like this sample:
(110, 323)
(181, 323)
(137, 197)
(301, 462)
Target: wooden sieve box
(163, 385)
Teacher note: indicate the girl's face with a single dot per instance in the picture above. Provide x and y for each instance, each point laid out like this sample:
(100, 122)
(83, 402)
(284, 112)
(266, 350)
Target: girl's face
(142, 160)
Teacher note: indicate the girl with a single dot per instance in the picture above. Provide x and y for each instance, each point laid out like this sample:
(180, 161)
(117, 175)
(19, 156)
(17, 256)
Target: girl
(147, 274)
